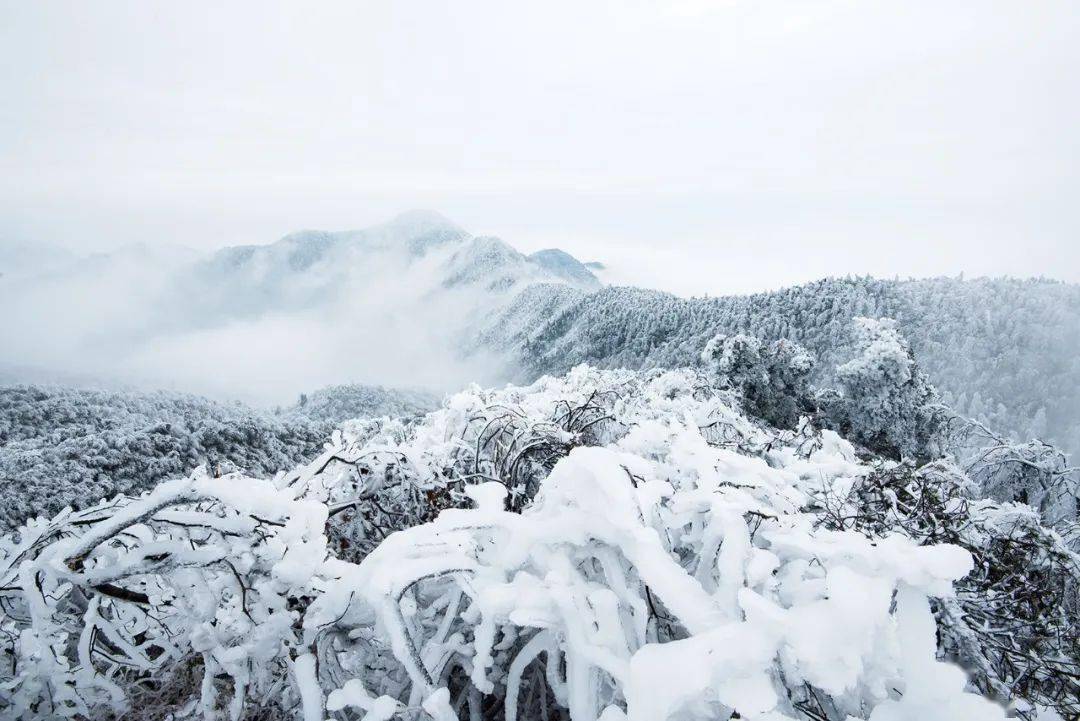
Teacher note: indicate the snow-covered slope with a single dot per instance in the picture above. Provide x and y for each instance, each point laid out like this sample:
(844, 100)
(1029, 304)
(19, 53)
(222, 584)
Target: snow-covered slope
(567, 267)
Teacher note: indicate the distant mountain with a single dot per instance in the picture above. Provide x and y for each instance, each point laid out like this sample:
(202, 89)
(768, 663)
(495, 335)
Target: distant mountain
(311, 268)
(395, 303)
(28, 260)
(36, 262)
(567, 267)
(412, 234)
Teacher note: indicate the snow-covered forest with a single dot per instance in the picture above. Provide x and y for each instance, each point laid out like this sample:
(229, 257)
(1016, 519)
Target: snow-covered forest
(1002, 351)
(335, 404)
(70, 447)
(725, 541)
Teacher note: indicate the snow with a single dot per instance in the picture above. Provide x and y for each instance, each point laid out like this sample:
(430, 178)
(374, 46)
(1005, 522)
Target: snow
(308, 684)
(354, 694)
(933, 691)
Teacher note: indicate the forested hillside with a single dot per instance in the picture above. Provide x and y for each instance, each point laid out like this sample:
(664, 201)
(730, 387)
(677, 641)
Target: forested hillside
(63, 446)
(343, 402)
(1004, 351)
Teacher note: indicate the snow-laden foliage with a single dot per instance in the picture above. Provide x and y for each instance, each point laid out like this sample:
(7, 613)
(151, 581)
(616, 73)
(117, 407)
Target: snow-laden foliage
(1014, 621)
(1034, 473)
(772, 379)
(887, 402)
(607, 545)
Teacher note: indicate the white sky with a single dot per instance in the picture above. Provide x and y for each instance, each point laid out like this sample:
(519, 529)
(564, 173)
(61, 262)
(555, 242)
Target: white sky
(697, 146)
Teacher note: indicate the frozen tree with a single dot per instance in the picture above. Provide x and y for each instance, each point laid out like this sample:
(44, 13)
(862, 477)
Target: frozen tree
(737, 363)
(772, 379)
(887, 402)
(1035, 473)
(790, 367)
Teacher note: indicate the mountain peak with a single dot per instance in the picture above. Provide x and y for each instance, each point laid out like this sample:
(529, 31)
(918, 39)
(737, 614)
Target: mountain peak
(565, 266)
(422, 230)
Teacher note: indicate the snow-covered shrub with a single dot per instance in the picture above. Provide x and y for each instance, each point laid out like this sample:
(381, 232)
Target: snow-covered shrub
(113, 598)
(1020, 606)
(650, 599)
(887, 403)
(1035, 473)
(1015, 621)
(601, 546)
(772, 379)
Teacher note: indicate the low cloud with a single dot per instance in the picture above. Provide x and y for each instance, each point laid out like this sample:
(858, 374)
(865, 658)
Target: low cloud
(380, 318)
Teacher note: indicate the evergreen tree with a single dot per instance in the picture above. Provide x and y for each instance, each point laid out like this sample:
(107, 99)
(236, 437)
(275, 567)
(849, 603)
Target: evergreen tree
(887, 402)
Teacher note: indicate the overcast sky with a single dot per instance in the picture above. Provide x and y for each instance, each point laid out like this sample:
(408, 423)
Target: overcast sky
(697, 146)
